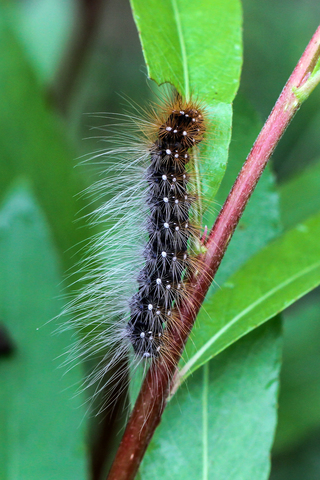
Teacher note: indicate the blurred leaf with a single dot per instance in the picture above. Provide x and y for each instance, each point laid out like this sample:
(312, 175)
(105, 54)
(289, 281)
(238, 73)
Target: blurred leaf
(215, 436)
(33, 143)
(268, 283)
(43, 427)
(300, 463)
(299, 403)
(269, 29)
(197, 48)
(44, 29)
(223, 426)
(275, 35)
(299, 196)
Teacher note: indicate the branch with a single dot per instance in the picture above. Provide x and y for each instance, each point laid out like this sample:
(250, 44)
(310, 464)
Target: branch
(155, 390)
(89, 17)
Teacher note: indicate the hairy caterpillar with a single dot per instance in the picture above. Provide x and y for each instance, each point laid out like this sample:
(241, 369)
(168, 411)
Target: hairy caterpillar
(138, 268)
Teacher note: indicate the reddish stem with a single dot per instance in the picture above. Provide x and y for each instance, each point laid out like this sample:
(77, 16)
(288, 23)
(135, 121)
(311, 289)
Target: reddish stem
(151, 401)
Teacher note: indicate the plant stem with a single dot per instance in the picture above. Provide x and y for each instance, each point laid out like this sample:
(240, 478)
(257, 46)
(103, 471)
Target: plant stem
(89, 17)
(155, 390)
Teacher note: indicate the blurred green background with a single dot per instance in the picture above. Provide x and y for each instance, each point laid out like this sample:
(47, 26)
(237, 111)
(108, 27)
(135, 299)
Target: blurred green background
(61, 60)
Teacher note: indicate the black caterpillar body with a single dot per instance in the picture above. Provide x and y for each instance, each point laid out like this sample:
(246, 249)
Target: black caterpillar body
(162, 279)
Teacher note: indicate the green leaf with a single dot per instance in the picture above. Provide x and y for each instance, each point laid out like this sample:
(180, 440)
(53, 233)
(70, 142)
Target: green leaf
(223, 426)
(299, 196)
(268, 283)
(214, 153)
(42, 433)
(33, 143)
(196, 46)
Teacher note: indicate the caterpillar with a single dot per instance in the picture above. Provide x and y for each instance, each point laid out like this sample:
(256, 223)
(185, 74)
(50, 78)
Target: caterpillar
(138, 267)
(161, 281)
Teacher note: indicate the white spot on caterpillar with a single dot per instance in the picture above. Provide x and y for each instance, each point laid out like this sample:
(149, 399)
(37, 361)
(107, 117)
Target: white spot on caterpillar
(166, 225)
(158, 281)
(174, 179)
(181, 112)
(165, 199)
(158, 312)
(175, 131)
(164, 254)
(176, 201)
(142, 335)
(150, 306)
(164, 177)
(176, 155)
(168, 129)
(177, 229)
(168, 151)
(174, 259)
(146, 355)
(184, 133)
(168, 287)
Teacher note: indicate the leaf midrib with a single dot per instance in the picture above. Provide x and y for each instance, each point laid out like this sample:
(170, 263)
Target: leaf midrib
(183, 49)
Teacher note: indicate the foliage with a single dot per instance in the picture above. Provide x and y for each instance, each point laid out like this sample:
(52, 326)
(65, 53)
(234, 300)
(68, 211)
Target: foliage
(222, 420)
